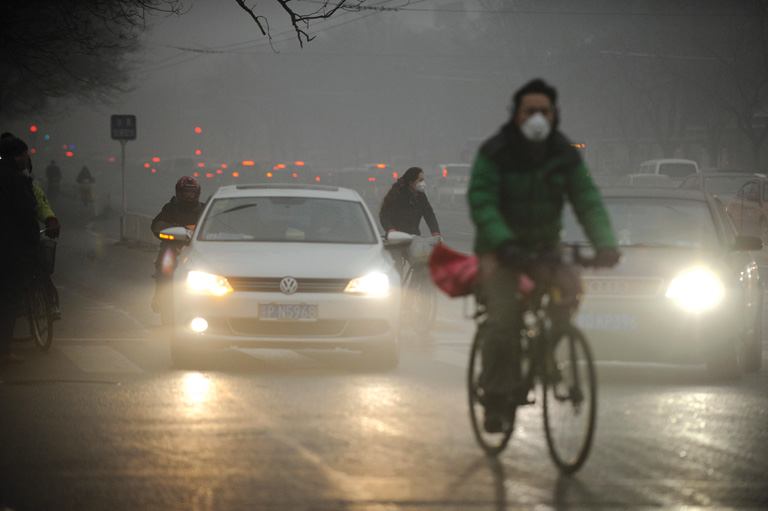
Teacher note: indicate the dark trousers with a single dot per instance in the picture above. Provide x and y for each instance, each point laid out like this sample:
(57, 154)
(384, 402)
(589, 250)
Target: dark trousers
(500, 330)
(11, 294)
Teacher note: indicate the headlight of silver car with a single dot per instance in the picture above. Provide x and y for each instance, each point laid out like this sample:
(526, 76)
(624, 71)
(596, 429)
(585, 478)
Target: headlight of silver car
(696, 290)
(202, 282)
(376, 284)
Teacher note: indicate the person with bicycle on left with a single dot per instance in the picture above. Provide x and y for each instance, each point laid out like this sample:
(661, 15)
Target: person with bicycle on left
(519, 182)
(18, 224)
(404, 206)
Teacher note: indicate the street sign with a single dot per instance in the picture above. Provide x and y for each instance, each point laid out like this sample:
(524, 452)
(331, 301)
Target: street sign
(123, 127)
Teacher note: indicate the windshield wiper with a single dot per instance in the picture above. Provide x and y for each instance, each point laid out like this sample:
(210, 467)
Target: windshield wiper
(235, 208)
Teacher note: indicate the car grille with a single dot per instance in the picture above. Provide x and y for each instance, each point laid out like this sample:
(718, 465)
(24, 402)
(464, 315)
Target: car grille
(621, 287)
(272, 285)
(322, 328)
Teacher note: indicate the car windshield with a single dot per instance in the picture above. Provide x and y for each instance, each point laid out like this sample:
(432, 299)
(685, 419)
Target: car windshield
(287, 219)
(725, 185)
(677, 170)
(654, 222)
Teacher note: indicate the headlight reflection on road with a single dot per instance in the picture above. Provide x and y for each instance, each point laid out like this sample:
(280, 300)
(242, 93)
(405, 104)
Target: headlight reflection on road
(377, 402)
(197, 391)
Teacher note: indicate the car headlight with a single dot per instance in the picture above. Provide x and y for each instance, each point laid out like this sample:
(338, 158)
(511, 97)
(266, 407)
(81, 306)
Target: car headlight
(372, 284)
(696, 290)
(208, 283)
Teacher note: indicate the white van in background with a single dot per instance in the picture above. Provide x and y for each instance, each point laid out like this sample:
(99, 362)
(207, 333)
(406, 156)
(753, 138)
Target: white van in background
(675, 168)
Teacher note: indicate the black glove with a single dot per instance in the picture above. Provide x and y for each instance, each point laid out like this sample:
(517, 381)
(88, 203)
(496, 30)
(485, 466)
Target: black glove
(607, 257)
(510, 253)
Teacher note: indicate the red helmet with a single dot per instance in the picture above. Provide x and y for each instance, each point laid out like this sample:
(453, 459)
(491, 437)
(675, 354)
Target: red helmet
(188, 189)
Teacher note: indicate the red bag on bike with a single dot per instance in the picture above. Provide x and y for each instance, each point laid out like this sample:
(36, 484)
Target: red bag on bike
(452, 271)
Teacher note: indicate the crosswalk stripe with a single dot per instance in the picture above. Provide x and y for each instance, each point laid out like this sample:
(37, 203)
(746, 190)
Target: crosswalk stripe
(99, 359)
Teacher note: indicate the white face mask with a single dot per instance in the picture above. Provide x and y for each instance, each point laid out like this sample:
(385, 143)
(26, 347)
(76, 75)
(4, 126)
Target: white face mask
(421, 186)
(536, 128)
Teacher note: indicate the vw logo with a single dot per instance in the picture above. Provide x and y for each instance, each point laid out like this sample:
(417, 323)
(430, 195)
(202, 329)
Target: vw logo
(607, 287)
(289, 285)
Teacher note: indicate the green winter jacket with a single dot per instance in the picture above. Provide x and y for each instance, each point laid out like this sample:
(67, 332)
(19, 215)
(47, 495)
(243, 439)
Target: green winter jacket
(516, 197)
(43, 208)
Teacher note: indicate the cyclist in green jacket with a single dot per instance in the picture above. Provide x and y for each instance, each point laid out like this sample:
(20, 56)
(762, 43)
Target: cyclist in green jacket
(520, 180)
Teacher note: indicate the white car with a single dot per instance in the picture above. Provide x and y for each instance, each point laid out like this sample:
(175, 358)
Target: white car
(286, 266)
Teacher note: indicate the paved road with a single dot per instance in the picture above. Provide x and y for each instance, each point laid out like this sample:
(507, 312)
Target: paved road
(103, 422)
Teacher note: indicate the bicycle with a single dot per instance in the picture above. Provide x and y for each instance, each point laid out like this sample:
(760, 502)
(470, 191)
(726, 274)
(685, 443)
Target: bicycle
(556, 361)
(419, 294)
(37, 300)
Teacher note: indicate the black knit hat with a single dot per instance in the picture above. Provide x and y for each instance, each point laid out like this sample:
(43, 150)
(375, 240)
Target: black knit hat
(11, 146)
(536, 86)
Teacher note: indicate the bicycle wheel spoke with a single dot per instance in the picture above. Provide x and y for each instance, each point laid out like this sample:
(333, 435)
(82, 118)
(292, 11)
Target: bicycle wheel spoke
(570, 401)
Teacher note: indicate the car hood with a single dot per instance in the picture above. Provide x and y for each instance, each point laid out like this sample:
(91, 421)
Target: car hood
(315, 260)
(664, 262)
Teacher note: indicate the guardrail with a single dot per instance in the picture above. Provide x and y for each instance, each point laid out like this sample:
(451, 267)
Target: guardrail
(136, 227)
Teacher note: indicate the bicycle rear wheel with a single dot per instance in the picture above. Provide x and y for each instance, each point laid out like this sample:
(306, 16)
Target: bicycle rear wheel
(423, 302)
(39, 315)
(570, 400)
(492, 443)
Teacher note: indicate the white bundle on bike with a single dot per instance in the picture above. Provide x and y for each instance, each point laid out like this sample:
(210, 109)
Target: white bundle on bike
(421, 248)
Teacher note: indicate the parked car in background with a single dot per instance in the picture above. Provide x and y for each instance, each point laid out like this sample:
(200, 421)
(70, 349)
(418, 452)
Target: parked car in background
(687, 290)
(286, 266)
(449, 183)
(675, 168)
(722, 184)
(749, 208)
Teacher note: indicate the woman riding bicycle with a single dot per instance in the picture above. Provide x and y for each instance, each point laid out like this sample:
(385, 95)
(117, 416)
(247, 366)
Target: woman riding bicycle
(406, 204)
(520, 179)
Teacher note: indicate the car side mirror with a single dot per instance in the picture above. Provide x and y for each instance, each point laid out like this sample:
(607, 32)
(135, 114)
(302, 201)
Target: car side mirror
(747, 243)
(179, 234)
(397, 239)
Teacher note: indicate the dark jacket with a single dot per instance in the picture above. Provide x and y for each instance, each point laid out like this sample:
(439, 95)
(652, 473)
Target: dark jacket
(18, 219)
(176, 213)
(405, 212)
(516, 196)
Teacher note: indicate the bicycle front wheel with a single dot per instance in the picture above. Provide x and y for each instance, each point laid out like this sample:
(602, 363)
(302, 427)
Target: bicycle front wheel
(570, 400)
(39, 316)
(492, 443)
(423, 302)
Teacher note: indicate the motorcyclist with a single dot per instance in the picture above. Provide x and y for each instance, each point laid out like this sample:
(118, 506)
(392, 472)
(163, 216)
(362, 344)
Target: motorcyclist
(182, 210)
(520, 179)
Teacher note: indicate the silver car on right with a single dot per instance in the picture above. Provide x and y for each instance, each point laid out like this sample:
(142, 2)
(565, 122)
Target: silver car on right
(687, 290)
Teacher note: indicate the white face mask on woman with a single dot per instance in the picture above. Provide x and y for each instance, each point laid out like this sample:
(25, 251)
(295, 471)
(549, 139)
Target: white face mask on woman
(536, 128)
(420, 187)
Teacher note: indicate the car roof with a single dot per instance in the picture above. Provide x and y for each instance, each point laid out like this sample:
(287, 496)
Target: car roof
(668, 160)
(287, 190)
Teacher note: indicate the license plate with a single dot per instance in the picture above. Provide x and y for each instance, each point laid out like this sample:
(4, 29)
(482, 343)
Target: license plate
(589, 321)
(288, 311)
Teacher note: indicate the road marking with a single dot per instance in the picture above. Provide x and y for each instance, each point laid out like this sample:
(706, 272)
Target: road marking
(99, 359)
